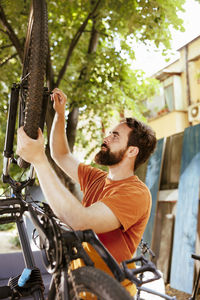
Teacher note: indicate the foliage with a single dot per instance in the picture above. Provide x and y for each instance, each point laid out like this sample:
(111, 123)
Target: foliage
(107, 87)
(6, 227)
(15, 241)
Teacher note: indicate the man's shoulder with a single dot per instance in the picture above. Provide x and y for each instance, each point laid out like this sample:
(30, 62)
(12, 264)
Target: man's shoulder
(139, 183)
(134, 188)
(133, 183)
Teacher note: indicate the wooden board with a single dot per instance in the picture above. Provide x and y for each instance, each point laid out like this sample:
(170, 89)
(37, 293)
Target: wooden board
(152, 180)
(163, 262)
(182, 267)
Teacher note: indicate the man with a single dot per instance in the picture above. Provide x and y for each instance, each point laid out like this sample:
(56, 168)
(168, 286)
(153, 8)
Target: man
(116, 205)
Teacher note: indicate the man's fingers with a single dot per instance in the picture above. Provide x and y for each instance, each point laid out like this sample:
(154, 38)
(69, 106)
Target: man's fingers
(57, 98)
(20, 130)
(30, 149)
(58, 93)
(40, 133)
(20, 133)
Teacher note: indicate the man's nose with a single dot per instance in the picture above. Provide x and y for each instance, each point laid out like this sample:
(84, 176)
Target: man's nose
(107, 139)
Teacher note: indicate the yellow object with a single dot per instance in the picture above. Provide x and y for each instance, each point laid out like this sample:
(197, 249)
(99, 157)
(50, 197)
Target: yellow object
(100, 264)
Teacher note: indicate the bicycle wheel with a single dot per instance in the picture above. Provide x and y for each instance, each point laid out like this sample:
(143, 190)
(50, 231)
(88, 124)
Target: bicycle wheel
(94, 284)
(34, 68)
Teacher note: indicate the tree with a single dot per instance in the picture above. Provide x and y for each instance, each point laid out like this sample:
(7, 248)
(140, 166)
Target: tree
(90, 44)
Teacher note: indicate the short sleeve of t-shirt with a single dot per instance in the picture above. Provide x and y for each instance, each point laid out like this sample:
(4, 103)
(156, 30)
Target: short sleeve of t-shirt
(130, 207)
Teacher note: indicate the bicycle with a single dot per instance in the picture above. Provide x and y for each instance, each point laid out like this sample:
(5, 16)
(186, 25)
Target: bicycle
(59, 244)
(59, 247)
(145, 249)
(146, 264)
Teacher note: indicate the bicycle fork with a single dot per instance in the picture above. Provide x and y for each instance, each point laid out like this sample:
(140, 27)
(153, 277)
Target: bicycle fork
(10, 130)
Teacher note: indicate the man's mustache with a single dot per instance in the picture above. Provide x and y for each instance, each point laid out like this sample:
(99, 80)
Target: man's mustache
(104, 145)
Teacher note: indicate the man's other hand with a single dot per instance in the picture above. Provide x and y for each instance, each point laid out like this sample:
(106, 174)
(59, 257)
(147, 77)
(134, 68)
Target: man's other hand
(59, 99)
(29, 149)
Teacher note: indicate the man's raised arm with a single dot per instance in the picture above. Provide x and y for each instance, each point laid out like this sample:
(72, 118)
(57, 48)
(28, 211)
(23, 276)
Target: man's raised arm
(59, 147)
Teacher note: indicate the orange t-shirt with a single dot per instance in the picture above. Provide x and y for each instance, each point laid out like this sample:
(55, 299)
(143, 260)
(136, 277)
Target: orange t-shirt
(130, 201)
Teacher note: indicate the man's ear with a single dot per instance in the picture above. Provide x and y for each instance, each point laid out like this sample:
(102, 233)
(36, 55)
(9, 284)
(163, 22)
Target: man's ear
(132, 151)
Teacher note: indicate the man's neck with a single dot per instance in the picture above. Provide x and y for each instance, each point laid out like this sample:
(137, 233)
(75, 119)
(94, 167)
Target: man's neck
(119, 172)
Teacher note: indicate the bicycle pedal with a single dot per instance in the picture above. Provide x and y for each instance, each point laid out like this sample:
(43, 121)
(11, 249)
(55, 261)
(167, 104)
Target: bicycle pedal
(25, 286)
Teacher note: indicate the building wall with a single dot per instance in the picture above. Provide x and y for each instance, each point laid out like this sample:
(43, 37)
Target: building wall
(184, 75)
(193, 48)
(169, 124)
(195, 81)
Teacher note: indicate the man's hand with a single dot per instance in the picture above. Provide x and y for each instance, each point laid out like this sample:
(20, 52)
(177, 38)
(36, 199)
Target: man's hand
(29, 149)
(60, 100)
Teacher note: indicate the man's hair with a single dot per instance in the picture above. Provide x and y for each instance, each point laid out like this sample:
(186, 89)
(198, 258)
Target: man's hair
(143, 137)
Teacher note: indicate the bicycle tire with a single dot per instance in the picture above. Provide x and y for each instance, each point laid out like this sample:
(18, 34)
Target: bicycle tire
(34, 69)
(97, 285)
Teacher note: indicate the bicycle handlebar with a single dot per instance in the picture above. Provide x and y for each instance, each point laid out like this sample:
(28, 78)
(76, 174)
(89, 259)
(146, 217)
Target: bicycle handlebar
(146, 249)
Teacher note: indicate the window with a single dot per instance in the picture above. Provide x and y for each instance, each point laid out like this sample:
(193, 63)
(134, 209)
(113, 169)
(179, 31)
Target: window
(169, 97)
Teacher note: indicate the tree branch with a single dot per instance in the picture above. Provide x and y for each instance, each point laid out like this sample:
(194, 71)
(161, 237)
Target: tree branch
(93, 39)
(7, 59)
(11, 34)
(2, 31)
(74, 43)
(100, 33)
(6, 46)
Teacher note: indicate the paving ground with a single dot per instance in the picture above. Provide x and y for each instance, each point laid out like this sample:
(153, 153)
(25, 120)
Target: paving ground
(6, 242)
(179, 295)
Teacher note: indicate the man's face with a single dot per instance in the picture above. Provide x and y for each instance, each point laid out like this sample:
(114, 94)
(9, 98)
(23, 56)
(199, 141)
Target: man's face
(114, 146)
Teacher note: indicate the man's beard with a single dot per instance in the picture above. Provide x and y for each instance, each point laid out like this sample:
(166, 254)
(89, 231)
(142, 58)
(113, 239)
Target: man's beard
(108, 158)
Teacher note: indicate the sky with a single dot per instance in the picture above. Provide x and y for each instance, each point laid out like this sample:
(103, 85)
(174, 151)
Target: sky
(151, 60)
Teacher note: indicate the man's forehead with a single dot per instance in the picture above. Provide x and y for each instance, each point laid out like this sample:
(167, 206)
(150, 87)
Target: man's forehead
(121, 128)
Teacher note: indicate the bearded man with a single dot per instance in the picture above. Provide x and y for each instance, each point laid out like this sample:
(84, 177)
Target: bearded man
(116, 205)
